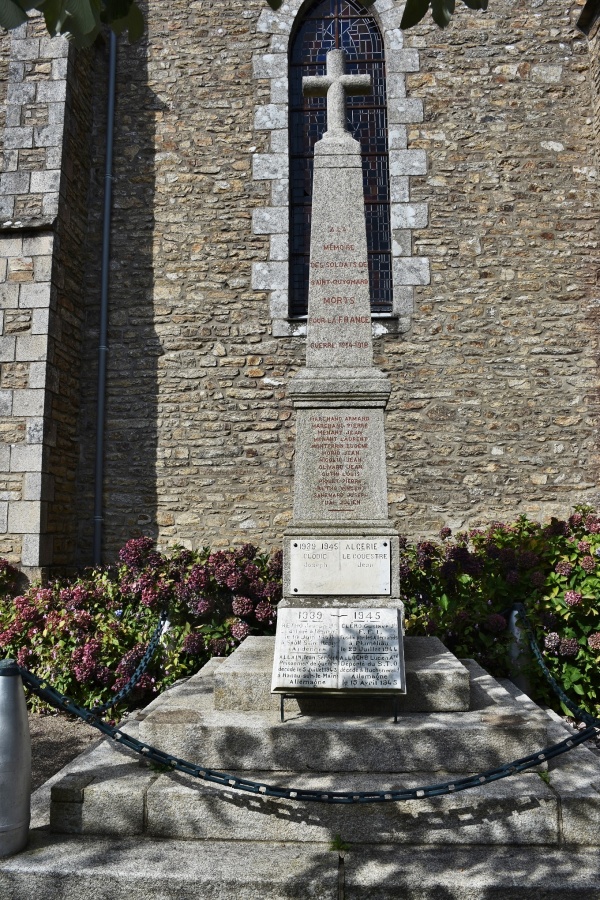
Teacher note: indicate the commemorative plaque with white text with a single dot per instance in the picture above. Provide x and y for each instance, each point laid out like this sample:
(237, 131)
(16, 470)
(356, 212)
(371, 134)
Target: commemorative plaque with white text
(340, 566)
(344, 650)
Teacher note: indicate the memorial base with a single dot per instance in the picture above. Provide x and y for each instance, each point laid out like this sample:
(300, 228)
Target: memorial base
(435, 682)
(381, 700)
(118, 827)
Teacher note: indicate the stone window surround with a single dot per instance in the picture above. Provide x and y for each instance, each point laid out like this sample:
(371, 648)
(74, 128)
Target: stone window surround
(407, 270)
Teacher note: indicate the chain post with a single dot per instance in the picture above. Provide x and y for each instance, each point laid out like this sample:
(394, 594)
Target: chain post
(15, 761)
(519, 654)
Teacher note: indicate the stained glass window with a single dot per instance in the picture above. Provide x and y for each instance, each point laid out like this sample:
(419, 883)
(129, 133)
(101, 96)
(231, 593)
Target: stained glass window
(329, 25)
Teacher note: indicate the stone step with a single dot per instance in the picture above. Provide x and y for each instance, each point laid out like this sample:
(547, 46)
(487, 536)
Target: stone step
(71, 868)
(435, 681)
(459, 742)
(106, 791)
(497, 730)
(118, 797)
(522, 811)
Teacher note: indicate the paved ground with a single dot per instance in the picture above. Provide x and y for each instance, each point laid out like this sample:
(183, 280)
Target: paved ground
(55, 740)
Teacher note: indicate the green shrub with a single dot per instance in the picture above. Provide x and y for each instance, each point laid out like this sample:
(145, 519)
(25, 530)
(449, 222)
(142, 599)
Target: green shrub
(86, 636)
(462, 590)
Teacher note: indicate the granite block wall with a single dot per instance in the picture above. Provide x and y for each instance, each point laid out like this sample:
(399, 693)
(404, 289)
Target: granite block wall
(67, 319)
(42, 210)
(499, 390)
(198, 443)
(594, 84)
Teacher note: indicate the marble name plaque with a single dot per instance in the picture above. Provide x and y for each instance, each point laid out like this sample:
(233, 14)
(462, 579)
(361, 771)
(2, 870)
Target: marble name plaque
(340, 566)
(349, 650)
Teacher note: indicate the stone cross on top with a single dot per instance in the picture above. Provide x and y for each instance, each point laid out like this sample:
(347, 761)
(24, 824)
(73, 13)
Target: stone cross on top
(335, 85)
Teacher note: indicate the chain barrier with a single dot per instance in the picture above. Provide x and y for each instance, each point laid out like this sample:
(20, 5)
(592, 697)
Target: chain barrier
(140, 670)
(173, 763)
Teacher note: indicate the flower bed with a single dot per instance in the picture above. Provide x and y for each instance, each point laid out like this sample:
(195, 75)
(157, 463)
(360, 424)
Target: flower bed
(462, 590)
(87, 635)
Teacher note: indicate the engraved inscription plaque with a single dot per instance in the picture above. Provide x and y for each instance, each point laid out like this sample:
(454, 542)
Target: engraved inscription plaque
(306, 649)
(338, 476)
(340, 566)
(342, 650)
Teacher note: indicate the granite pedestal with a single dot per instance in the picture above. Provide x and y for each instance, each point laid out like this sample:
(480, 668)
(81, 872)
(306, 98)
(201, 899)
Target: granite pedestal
(111, 824)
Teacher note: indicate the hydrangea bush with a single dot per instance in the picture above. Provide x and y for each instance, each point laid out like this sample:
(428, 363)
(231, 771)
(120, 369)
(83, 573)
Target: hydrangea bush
(87, 636)
(463, 587)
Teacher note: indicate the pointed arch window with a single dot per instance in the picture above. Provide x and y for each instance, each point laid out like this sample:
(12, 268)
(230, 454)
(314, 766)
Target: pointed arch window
(329, 25)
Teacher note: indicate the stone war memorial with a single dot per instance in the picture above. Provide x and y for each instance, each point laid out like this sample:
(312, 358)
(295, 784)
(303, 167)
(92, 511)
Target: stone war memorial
(340, 759)
(340, 547)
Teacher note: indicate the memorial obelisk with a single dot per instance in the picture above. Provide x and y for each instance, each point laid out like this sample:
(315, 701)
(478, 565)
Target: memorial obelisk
(341, 548)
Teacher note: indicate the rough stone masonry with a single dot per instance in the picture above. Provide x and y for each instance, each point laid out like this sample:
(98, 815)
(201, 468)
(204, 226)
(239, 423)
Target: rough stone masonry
(492, 358)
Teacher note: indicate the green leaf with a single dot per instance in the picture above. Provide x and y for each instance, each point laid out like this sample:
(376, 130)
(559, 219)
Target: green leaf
(115, 9)
(414, 11)
(135, 24)
(80, 40)
(54, 15)
(11, 14)
(338, 844)
(82, 15)
(442, 10)
(28, 5)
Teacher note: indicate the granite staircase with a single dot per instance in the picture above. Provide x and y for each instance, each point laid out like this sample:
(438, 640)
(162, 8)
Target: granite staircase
(117, 825)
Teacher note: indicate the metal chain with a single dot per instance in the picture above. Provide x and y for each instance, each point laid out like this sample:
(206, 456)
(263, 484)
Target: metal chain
(140, 670)
(174, 763)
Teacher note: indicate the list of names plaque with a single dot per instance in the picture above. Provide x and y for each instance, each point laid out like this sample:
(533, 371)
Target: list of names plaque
(338, 650)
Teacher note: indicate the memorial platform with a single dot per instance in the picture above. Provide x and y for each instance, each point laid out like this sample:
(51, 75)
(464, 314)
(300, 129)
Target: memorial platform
(113, 794)
(491, 730)
(110, 824)
(435, 681)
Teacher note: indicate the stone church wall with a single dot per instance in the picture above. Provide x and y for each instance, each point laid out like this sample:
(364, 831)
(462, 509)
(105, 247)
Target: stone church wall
(494, 404)
(594, 50)
(498, 397)
(198, 446)
(43, 194)
(494, 365)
